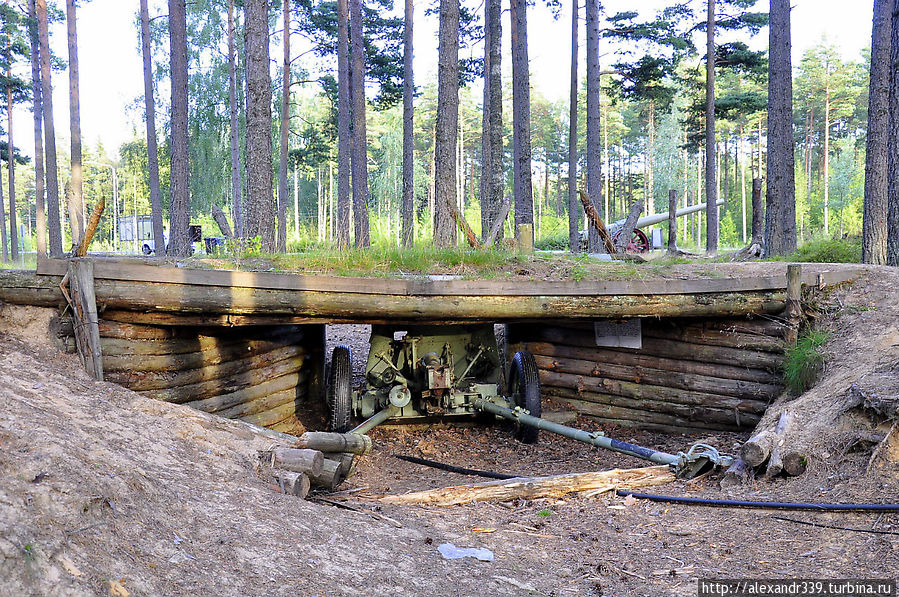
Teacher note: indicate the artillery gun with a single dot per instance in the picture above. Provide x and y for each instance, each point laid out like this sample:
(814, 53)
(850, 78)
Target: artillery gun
(426, 372)
(639, 242)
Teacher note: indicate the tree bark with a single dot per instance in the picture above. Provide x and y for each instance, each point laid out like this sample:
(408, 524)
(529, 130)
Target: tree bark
(874, 223)
(447, 124)
(574, 236)
(594, 120)
(780, 217)
(233, 110)
(55, 229)
(152, 151)
(76, 206)
(179, 185)
(353, 443)
(521, 117)
(285, 133)
(260, 213)
(408, 209)
(492, 171)
(893, 145)
(11, 164)
(711, 187)
(298, 460)
(344, 139)
(37, 110)
(360, 143)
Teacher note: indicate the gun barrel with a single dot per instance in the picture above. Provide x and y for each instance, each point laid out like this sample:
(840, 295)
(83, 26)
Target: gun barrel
(660, 217)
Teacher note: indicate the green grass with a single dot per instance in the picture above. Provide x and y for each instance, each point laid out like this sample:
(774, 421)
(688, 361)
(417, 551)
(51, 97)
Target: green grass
(827, 250)
(804, 361)
(544, 513)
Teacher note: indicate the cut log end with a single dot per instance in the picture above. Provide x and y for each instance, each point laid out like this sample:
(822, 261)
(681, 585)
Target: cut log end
(794, 463)
(293, 483)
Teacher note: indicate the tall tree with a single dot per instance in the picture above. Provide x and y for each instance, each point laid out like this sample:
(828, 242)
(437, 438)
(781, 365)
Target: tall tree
(37, 111)
(75, 192)
(447, 124)
(11, 164)
(521, 115)
(874, 224)
(893, 144)
(152, 150)
(492, 171)
(285, 133)
(594, 120)
(179, 183)
(574, 244)
(54, 226)
(234, 133)
(344, 140)
(360, 142)
(408, 138)
(260, 218)
(711, 186)
(780, 216)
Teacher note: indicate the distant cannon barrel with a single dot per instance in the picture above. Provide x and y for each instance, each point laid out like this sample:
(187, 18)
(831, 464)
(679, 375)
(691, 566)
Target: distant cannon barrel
(660, 217)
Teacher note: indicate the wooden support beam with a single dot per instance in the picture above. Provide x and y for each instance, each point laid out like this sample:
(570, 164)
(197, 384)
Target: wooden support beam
(537, 487)
(84, 312)
(310, 462)
(353, 443)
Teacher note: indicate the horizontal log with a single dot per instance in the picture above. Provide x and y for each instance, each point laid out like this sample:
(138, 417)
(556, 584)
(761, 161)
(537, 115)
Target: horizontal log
(640, 391)
(639, 359)
(128, 331)
(206, 321)
(288, 425)
(262, 404)
(654, 347)
(723, 415)
(794, 463)
(194, 360)
(223, 402)
(739, 473)
(227, 340)
(270, 417)
(22, 287)
(139, 380)
(220, 386)
(532, 488)
(659, 377)
(295, 484)
(298, 461)
(353, 443)
(698, 335)
(332, 475)
(641, 416)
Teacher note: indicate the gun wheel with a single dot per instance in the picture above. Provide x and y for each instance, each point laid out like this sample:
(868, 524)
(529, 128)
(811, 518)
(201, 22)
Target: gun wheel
(639, 242)
(340, 390)
(524, 390)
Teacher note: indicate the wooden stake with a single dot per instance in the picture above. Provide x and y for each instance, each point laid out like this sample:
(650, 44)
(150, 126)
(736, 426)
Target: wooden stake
(84, 311)
(597, 222)
(81, 251)
(672, 222)
(794, 302)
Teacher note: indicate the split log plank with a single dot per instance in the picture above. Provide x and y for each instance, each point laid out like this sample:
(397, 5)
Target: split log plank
(775, 460)
(537, 487)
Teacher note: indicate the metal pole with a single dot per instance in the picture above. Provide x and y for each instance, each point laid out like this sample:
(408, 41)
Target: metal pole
(376, 420)
(600, 441)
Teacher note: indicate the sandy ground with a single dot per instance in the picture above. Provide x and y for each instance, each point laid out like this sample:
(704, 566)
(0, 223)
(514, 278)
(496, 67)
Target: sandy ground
(105, 492)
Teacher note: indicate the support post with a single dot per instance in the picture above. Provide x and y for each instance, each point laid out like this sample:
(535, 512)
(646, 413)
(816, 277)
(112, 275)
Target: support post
(83, 302)
(757, 219)
(794, 302)
(672, 221)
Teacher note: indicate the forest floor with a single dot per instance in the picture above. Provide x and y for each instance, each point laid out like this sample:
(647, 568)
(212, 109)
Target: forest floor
(103, 491)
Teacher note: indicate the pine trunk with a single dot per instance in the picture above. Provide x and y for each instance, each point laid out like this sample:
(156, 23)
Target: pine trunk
(492, 173)
(53, 224)
(236, 208)
(37, 111)
(408, 208)
(893, 145)
(594, 140)
(344, 141)
(76, 209)
(711, 188)
(285, 133)
(179, 189)
(826, 155)
(521, 118)
(874, 234)
(260, 212)
(11, 164)
(447, 124)
(360, 143)
(152, 151)
(780, 217)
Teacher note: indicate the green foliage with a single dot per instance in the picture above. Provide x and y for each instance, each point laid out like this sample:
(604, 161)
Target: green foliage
(545, 513)
(804, 361)
(829, 250)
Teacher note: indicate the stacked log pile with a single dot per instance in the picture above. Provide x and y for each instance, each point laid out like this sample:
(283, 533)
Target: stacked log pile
(689, 375)
(258, 374)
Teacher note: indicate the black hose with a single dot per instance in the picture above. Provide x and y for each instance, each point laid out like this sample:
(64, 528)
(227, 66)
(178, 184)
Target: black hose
(453, 469)
(671, 499)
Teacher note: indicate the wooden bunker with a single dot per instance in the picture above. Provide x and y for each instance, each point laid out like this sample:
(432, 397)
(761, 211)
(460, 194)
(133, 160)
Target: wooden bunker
(250, 345)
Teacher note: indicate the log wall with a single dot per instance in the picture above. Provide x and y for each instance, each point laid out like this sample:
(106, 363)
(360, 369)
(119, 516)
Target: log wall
(262, 374)
(690, 374)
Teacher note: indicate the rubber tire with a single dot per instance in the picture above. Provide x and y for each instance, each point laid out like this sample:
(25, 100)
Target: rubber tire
(146, 250)
(340, 390)
(524, 390)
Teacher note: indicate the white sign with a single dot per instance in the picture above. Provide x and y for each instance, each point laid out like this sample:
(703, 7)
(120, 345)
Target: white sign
(619, 333)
